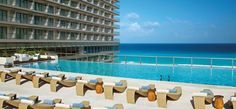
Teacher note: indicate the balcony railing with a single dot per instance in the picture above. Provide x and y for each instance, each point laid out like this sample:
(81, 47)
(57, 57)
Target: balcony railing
(117, 33)
(117, 26)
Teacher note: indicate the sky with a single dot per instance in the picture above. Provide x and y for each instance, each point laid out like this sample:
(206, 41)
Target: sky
(177, 21)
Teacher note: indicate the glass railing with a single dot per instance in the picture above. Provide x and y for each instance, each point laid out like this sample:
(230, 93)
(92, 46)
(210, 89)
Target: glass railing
(117, 33)
(117, 26)
(117, 12)
(117, 4)
(117, 19)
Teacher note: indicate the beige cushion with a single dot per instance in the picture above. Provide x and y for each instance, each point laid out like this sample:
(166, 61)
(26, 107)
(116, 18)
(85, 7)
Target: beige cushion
(30, 102)
(162, 91)
(62, 105)
(134, 88)
(109, 84)
(5, 97)
(99, 108)
(82, 81)
(40, 75)
(7, 71)
(22, 73)
(233, 98)
(200, 94)
(57, 78)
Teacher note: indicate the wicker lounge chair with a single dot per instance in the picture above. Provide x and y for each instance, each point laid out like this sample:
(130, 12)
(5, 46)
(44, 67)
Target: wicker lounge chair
(8, 100)
(9, 74)
(24, 75)
(133, 93)
(40, 79)
(44, 105)
(201, 99)
(164, 95)
(233, 101)
(116, 106)
(83, 86)
(111, 88)
(82, 105)
(25, 103)
(65, 82)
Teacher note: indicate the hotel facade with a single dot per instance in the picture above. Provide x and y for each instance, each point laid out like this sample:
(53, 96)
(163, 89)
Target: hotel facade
(84, 29)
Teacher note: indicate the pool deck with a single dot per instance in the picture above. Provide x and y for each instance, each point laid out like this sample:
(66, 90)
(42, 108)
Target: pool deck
(68, 95)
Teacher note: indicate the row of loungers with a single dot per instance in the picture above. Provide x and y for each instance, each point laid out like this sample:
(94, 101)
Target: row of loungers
(32, 102)
(132, 93)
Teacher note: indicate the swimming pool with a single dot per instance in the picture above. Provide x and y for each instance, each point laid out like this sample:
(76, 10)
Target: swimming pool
(185, 74)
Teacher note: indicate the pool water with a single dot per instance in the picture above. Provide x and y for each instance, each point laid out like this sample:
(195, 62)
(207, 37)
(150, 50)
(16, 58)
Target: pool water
(185, 74)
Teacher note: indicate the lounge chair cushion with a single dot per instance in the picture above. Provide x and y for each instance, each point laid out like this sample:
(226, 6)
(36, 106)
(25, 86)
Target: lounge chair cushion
(26, 98)
(162, 91)
(22, 73)
(62, 105)
(52, 75)
(99, 108)
(40, 75)
(145, 87)
(7, 71)
(2, 94)
(82, 81)
(118, 83)
(174, 90)
(31, 102)
(57, 78)
(5, 97)
(93, 81)
(72, 78)
(207, 91)
(77, 105)
(200, 94)
(233, 98)
(109, 84)
(133, 88)
(50, 102)
(111, 108)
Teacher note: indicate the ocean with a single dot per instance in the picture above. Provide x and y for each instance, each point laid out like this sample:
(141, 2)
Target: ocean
(186, 50)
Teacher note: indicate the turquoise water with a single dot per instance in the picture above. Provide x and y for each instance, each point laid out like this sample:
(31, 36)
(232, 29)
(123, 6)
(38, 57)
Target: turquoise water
(145, 64)
(199, 75)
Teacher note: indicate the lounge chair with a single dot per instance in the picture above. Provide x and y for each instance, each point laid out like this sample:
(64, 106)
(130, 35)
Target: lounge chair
(164, 95)
(39, 79)
(233, 101)
(26, 102)
(24, 75)
(133, 93)
(46, 104)
(201, 99)
(8, 99)
(83, 86)
(116, 106)
(65, 82)
(82, 105)
(110, 88)
(9, 74)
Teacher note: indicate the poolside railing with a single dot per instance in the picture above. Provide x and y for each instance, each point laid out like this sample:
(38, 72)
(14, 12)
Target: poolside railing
(172, 61)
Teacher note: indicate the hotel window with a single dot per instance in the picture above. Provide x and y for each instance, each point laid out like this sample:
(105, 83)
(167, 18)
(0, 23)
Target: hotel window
(3, 1)
(73, 36)
(50, 35)
(73, 25)
(39, 6)
(23, 3)
(73, 14)
(3, 32)
(63, 12)
(74, 4)
(51, 9)
(64, 1)
(39, 34)
(64, 24)
(3, 15)
(39, 20)
(22, 18)
(50, 22)
(22, 33)
(63, 35)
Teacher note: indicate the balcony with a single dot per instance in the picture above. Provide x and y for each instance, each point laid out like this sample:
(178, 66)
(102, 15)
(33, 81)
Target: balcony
(116, 26)
(116, 33)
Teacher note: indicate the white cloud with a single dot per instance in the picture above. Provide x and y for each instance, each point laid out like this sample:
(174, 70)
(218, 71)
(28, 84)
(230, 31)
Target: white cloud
(151, 25)
(132, 16)
(135, 26)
